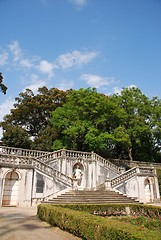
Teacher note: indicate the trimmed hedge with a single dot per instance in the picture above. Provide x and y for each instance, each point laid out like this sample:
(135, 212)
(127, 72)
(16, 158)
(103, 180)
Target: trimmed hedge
(91, 227)
(117, 209)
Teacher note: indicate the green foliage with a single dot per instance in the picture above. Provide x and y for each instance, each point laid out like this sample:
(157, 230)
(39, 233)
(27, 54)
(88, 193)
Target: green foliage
(117, 209)
(17, 137)
(85, 121)
(92, 227)
(32, 114)
(3, 88)
(143, 222)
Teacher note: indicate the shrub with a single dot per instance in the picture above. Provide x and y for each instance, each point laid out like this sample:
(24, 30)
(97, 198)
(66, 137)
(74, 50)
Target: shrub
(91, 227)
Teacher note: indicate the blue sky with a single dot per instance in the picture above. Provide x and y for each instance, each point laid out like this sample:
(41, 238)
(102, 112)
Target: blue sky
(107, 44)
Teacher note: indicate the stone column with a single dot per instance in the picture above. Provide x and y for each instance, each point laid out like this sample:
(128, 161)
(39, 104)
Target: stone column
(108, 186)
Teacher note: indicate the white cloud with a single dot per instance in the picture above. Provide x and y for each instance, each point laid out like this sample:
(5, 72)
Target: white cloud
(75, 59)
(46, 67)
(79, 3)
(132, 86)
(3, 58)
(18, 55)
(36, 83)
(15, 50)
(96, 80)
(118, 90)
(5, 107)
(66, 85)
(26, 63)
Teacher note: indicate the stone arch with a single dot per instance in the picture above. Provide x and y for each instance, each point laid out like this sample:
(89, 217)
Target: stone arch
(10, 188)
(147, 190)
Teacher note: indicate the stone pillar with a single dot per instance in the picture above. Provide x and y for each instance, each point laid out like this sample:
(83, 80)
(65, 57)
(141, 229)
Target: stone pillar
(156, 191)
(75, 184)
(108, 186)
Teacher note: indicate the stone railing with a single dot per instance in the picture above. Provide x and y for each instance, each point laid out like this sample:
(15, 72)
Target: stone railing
(106, 163)
(50, 156)
(130, 173)
(123, 177)
(28, 162)
(146, 170)
(69, 154)
(131, 163)
(21, 152)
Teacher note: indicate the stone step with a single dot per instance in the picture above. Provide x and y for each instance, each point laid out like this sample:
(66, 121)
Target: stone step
(92, 197)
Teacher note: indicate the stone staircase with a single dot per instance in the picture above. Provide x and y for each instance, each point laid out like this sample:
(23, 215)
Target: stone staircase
(92, 197)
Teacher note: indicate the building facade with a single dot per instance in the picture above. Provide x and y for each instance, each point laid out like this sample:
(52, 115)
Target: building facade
(28, 177)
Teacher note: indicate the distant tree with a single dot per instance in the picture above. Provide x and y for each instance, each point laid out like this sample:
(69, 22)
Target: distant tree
(2, 86)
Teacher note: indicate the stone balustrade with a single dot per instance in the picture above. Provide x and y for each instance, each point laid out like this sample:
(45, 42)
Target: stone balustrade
(50, 156)
(132, 172)
(21, 161)
(106, 163)
(65, 154)
(21, 152)
(147, 170)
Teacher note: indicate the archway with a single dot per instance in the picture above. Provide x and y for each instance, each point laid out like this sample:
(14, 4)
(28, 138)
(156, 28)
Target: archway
(147, 190)
(10, 190)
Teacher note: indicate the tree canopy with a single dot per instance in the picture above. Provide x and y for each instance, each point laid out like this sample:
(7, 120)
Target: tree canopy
(32, 113)
(125, 126)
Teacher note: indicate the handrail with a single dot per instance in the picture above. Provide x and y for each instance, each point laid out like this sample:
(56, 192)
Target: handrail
(107, 163)
(31, 162)
(130, 173)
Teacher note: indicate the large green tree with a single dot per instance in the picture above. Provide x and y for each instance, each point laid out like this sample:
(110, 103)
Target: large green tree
(32, 113)
(85, 121)
(126, 125)
(140, 124)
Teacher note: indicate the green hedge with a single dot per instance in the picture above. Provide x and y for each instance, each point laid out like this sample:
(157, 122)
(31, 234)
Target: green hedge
(91, 227)
(117, 209)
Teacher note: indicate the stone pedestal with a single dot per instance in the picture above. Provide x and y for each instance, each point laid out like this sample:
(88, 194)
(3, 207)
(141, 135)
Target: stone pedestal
(108, 185)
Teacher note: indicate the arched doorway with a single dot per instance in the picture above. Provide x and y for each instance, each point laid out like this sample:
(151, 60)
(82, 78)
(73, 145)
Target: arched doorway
(147, 191)
(10, 190)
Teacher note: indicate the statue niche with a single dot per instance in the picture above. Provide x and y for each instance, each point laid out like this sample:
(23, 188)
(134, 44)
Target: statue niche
(78, 173)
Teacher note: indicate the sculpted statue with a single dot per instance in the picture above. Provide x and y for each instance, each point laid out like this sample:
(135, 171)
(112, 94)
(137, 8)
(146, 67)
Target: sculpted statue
(78, 174)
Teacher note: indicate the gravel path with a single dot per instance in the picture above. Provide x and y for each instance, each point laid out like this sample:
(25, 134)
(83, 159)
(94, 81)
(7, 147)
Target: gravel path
(22, 224)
